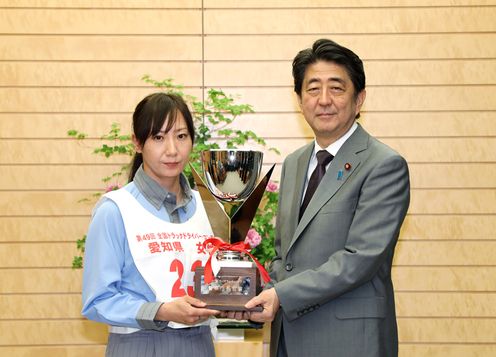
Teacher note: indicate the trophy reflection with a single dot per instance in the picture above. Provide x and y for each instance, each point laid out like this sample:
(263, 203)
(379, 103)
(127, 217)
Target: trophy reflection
(231, 193)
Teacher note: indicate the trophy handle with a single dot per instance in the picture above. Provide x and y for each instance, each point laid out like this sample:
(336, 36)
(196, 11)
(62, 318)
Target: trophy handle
(242, 218)
(218, 218)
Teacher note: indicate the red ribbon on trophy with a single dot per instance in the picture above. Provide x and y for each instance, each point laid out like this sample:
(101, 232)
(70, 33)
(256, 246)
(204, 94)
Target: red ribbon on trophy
(219, 244)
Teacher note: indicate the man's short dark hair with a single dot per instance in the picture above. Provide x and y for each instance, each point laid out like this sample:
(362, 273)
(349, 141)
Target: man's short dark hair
(329, 51)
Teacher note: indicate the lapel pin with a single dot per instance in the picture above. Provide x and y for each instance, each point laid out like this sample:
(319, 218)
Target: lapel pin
(340, 175)
(347, 166)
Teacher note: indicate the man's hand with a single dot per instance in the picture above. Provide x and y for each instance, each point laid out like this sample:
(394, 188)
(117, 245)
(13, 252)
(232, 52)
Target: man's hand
(186, 310)
(270, 303)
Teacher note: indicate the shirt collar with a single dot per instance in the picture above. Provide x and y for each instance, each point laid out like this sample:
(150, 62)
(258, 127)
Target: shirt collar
(159, 196)
(335, 146)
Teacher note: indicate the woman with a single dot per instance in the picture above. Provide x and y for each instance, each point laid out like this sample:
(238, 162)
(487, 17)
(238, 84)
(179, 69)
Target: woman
(143, 245)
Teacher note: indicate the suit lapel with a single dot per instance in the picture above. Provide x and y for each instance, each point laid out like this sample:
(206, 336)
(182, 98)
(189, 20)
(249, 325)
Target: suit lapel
(300, 176)
(342, 166)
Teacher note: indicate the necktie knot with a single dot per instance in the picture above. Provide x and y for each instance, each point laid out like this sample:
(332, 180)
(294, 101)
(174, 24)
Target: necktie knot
(324, 157)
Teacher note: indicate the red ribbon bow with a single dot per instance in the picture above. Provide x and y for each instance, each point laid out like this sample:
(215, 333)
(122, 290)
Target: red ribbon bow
(219, 244)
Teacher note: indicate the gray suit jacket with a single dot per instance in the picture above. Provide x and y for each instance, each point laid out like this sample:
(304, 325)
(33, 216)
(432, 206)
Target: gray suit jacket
(332, 272)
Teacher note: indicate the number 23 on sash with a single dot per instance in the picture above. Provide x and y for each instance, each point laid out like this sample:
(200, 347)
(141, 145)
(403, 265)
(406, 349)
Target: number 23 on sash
(177, 289)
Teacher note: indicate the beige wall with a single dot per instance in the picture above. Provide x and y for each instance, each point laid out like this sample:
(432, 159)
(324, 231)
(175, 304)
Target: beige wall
(431, 80)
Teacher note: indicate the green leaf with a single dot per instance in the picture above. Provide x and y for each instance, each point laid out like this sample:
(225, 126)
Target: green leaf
(77, 262)
(80, 243)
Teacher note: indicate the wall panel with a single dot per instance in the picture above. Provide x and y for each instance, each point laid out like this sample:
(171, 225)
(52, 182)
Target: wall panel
(381, 124)
(442, 330)
(445, 278)
(452, 350)
(100, 48)
(33, 228)
(394, 72)
(78, 64)
(96, 21)
(59, 177)
(445, 304)
(74, 100)
(261, 4)
(369, 46)
(82, 4)
(433, 253)
(60, 306)
(350, 20)
(50, 351)
(449, 227)
(36, 254)
(29, 281)
(97, 74)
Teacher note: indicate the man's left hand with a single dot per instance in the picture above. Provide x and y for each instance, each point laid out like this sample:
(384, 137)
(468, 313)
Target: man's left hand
(269, 301)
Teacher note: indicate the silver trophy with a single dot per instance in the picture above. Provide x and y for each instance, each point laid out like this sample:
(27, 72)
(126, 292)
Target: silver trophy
(231, 193)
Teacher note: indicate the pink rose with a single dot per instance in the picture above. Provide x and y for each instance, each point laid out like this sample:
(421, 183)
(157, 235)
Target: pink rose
(271, 186)
(253, 238)
(112, 187)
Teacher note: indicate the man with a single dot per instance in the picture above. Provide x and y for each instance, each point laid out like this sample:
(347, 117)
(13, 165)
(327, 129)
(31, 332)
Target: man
(332, 293)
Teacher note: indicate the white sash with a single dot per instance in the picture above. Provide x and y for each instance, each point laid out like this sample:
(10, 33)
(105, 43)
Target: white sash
(166, 254)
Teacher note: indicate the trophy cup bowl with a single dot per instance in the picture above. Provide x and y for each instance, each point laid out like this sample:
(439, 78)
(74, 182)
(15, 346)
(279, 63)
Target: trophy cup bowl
(231, 175)
(231, 193)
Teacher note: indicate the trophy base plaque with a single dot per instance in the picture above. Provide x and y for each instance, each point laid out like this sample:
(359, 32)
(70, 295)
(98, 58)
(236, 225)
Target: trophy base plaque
(230, 289)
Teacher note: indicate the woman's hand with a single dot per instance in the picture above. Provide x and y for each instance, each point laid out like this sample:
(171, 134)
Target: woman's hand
(186, 310)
